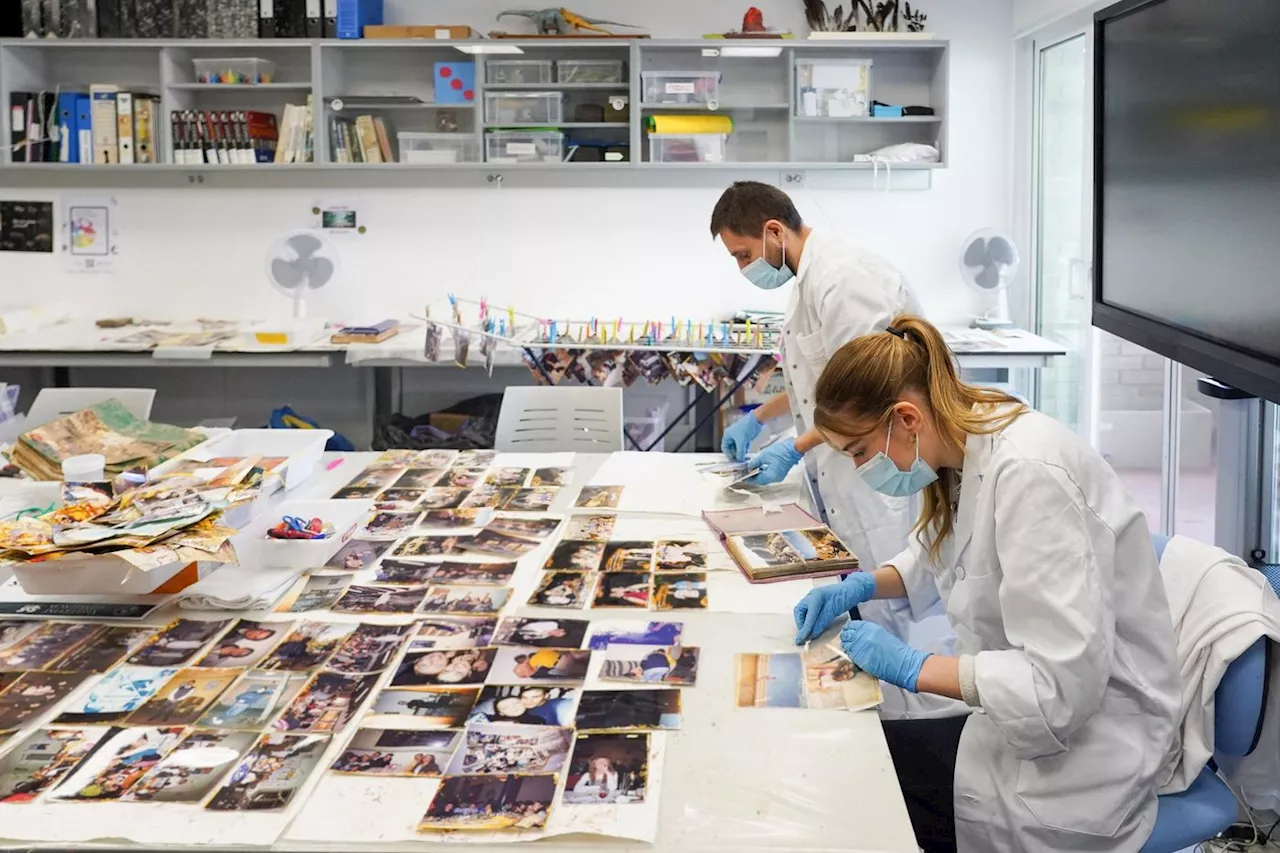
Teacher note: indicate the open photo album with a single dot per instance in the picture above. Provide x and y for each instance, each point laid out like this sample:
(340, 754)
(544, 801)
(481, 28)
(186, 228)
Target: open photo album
(782, 544)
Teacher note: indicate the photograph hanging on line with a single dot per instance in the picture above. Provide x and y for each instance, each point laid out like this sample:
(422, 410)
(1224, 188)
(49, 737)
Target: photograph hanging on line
(397, 752)
(623, 589)
(369, 648)
(270, 775)
(575, 556)
(121, 759)
(40, 761)
(466, 600)
(403, 573)
(192, 769)
(380, 599)
(680, 591)
(358, 554)
(530, 704)
(606, 633)
(33, 693)
(590, 528)
(628, 710)
(444, 667)
(102, 650)
(116, 695)
(421, 708)
(675, 665)
(251, 702)
(528, 528)
(627, 557)
(246, 644)
(455, 632)
(599, 497)
(491, 803)
(307, 647)
(607, 769)
(546, 633)
(519, 665)
(511, 749)
(184, 697)
(177, 643)
(564, 589)
(678, 555)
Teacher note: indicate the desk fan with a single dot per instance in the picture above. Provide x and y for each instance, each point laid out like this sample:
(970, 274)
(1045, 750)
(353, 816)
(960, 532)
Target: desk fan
(300, 263)
(989, 264)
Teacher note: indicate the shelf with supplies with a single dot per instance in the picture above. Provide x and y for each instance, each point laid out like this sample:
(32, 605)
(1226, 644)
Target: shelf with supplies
(805, 110)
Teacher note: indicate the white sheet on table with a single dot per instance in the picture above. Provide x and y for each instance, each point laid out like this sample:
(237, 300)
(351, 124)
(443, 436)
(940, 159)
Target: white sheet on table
(238, 587)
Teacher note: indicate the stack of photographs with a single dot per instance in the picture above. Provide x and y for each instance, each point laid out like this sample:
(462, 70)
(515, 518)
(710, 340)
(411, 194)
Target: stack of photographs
(667, 574)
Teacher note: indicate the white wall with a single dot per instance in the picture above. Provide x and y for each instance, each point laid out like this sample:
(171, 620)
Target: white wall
(566, 252)
(1029, 15)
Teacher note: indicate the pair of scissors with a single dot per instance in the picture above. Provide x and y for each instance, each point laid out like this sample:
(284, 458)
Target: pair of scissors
(294, 523)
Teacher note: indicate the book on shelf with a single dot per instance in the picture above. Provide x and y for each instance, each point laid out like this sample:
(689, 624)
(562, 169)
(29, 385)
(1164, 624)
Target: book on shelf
(223, 137)
(784, 544)
(362, 139)
(103, 125)
(296, 144)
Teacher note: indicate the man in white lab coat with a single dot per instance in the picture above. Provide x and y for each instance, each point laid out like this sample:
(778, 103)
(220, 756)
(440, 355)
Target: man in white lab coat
(839, 291)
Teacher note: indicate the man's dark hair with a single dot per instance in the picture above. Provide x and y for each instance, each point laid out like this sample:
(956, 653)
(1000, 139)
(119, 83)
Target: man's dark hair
(746, 206)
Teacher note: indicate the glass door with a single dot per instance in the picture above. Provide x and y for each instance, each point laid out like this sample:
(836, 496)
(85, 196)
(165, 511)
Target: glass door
(1061, 231)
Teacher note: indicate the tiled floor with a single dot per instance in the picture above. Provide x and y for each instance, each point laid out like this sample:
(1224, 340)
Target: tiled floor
(1196, 499)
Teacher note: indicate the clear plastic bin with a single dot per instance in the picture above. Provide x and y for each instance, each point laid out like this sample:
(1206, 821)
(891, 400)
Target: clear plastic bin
(523, 107)
(687, 147)
(833, 88)
(243, 70)
(589, 71)
(538, 146)
(512, 72)
(436, 148)
(681, 87)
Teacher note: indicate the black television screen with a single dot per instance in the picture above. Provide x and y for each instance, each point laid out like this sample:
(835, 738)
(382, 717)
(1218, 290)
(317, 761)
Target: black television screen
(1187, 183)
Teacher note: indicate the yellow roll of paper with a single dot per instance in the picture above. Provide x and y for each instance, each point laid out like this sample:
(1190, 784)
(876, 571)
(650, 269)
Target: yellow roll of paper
(688, 124)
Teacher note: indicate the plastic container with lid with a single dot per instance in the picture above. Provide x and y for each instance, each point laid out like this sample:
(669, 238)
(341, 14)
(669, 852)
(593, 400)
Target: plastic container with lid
(531, 146)
(438, 148)
(86, 468)
(242, 70)
(687, 147)
(518, 72)
(523, 107)
(681, 87)
(833, 88)
(589, 71)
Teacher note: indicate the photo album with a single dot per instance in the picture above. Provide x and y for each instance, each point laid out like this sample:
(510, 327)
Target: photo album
(782, 545)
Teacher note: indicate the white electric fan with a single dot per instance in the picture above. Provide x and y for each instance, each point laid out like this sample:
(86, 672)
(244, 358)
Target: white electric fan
(301, 263)
(989, 264)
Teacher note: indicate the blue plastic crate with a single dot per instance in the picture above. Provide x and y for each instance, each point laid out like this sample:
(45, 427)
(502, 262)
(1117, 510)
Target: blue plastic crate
(355, 15)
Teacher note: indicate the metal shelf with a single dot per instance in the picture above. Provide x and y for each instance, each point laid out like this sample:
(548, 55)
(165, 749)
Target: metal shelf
(570, 125)
(720, 108)
(624, 86)
(868, 120)
(239, 88)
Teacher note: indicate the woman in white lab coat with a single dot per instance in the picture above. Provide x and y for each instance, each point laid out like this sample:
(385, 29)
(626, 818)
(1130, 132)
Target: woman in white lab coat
(1047, 571)
(839, 292)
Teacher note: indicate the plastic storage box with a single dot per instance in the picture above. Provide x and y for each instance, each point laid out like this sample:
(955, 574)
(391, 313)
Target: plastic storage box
(523, 107)
(537, 146)
(512, 72)
(589, 71)
(687, 147)
(254, 548)
(681, 87)
(833, 88)
(300, 448)
(436, 148)
(236, 70)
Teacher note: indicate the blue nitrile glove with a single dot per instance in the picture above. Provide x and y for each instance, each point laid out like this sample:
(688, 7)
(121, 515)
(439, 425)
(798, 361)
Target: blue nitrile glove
(824, 604)
(738, 437)
(875, 650)
(774, 462)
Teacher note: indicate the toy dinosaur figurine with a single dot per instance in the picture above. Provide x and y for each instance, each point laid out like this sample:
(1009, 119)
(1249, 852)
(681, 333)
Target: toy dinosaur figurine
(561, 22)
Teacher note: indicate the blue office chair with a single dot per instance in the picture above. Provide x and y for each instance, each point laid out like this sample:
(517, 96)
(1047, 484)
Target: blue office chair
(1208, 806)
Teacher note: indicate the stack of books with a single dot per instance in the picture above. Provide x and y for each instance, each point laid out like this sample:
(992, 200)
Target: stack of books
(103, 126)
(363, 139)
(241, 137)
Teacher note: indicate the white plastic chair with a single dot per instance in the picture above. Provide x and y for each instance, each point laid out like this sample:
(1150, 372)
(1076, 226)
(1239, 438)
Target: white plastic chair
(537, 419)
(53, 403)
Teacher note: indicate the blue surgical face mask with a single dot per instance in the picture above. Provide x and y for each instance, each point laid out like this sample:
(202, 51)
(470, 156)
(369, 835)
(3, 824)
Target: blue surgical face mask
(882, 473)
(765, 275)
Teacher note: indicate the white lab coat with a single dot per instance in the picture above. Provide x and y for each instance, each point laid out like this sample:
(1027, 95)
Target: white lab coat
(840, 293)
(1220, 608)
(1050, 580)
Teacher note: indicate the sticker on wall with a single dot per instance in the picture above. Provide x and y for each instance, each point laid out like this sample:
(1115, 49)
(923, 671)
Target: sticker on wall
(337, 219)
(26, 226)
(91, 235)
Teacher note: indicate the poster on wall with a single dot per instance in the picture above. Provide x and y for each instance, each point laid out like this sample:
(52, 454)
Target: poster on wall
(26, 226)
(91, 234)
(336, 219)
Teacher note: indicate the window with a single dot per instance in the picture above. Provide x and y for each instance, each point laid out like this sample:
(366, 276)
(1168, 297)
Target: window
(1196, 494)
(1131, 420)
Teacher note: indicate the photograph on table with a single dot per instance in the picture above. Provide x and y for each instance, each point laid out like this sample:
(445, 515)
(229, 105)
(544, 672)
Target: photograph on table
(575, 556)
(422, 708)
(530, 500)
(676, 665)
(623, 589)
(177, 643)
(820, 678)
(102, 651)
(443, 498)
(599, 497)
(419, 478)
(627, 557)
(357, 493)
(678, 555)
(184, 697)
(428, 546)
(475, 459)
(487, 497)
(444, 667)
(358, 554)
(369, 648)
(391, 524)
(511, 749)
(526, 527)
(120, 760)
(607, 769)
(452, 519)
(312, 592)
(507, 477)
(520, 665)
(253, 700)
(270, 775)
(438, 459)
(116, 695)
(474, 574)
(628, 710)
(40, 761)
(590, 528)
(545, 633)
(455, 632)
(680, 591)
(404, 499)
(564, 589)
(327, 703)
(380, 599)
(607, 633)
(461, 478)
(467, 600)
(495, 802)
(551, 477)
(397, 752)
(307, 647)
(530, 704)
(192, 769)
(403, 572)
(498, 544)
(831, 680)
(32, 694)
(50, 641)
(246, 644)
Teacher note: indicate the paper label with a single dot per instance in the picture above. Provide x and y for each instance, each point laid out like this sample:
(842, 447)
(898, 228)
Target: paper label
(681, 88)
(522, 148)
(266, 9)
(313, 8)
(442, 34)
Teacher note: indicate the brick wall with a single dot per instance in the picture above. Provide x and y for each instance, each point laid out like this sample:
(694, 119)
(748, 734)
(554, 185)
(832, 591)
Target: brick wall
(1130, 377)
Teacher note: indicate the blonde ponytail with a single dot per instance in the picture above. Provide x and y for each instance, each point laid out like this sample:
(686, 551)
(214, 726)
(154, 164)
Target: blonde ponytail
(868, 376)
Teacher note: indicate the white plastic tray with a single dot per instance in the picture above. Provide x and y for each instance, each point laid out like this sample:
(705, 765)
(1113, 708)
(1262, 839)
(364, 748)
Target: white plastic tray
(256, 550)
(301, 447)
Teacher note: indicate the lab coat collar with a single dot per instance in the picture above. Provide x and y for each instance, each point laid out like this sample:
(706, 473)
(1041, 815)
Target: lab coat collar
(977, 453)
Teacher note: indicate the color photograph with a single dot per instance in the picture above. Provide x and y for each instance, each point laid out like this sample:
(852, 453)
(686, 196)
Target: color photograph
(675, 665)
(511, 749)
(491, 803)
(121, 759)
(472, 600)
(475, 459)
(677, 555)
(590, 528)
(545, 633)
(455, 632)
(620, 710)
(401, 497)
(507, 477)
(450, 519)
(369, 648)
(271, 773)
(443, 498)
(33, 693)
(551, 477)
(397, 752)
(606, 633)
(627, 557)
(403, 573)
(102, 650)
(680, 591)
(474, 574)
(623, 589)
(599, 497)
(438, 459)
(462, 478)
(380, 599)
(327, 703)
(499, 544)
(41, 760)
(116, 695)
(529, 528)
(517, 665)
(251, 702)
(317, 592)
(49, 642)
(529, 704)
(307, 647)
(419, 478)
(358, 554)
(832, 681)
(427, 546)
(575, 556)
(192, 769)
(447, 667)
(419, 708)
(184, 697)
(530, 500)
(390, 525)
(608, 768)
(177, 643)
(487, 497)
(246, 644)
(770, 681)
(564, 589)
